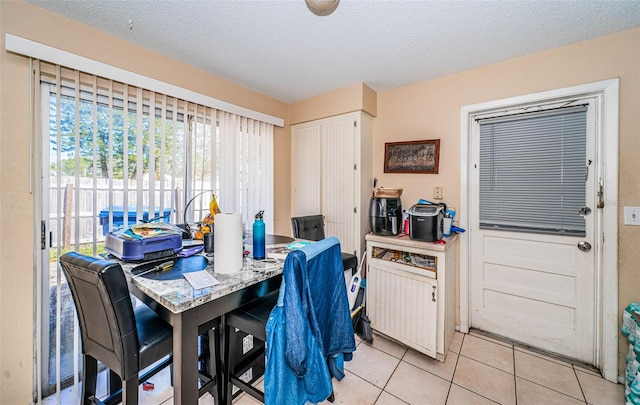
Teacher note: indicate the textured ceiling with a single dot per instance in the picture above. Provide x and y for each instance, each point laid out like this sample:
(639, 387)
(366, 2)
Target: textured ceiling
(281, 49)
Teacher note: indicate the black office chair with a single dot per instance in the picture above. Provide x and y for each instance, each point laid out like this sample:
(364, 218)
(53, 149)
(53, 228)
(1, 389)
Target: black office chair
(124, 339)
(311, 227)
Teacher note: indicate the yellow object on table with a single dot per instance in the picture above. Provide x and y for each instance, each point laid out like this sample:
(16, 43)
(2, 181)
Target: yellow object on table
(206, 224)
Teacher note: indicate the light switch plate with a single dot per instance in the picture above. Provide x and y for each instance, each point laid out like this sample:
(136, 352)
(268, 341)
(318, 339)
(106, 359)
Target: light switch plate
(632, 215)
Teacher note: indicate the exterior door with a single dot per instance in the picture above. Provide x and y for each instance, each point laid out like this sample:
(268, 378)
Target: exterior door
(537, 288)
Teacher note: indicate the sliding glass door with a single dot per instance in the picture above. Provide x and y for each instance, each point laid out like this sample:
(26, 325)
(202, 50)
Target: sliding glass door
(112, 155)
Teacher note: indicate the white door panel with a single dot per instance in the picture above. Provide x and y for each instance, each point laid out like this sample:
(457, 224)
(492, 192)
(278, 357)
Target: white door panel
(536, 289)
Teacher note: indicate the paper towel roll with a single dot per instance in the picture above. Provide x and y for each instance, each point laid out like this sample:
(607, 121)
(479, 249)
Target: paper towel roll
(227, 243)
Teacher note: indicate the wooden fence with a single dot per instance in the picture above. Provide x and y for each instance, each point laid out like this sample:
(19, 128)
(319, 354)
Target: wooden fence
(89, 205)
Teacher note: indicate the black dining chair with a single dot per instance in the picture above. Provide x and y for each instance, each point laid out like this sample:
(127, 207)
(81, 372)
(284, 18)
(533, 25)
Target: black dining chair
(250, 319)
(210, 355)
(125, 339)
(311, 227)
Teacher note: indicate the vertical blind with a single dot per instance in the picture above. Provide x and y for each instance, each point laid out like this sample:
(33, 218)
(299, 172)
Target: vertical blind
(116, 153)
(167, 149)
(532, 171)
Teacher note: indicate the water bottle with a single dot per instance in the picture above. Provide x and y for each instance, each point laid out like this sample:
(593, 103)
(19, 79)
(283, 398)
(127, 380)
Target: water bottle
(258, 237)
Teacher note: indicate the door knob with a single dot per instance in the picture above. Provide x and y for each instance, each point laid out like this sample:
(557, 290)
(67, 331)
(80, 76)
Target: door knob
(584, 246)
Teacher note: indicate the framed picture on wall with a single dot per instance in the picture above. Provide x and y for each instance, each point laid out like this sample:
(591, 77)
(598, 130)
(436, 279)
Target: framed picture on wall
(412, 156)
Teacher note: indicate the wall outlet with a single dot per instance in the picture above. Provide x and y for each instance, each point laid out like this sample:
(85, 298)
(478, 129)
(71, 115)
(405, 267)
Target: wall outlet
(437, 193)
(632, 215)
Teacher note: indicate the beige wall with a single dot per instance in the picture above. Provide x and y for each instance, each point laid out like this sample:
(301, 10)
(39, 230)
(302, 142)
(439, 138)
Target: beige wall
(16, 199)
(358, 97)
(425, 110)
(431, 110)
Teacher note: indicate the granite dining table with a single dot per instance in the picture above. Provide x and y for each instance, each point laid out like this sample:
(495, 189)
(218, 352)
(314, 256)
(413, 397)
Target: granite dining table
(187, 309)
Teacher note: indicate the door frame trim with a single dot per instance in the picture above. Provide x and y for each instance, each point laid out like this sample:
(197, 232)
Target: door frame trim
(607, 91)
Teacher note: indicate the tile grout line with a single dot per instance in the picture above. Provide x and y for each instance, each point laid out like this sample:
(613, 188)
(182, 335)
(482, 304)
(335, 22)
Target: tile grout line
(554, 390)
(480, 395)
(394, 370)
(483, 363)
(548, 357)
(392, 373)
(388, 393)
(566, 362)
(561, 363)
(571, 366)
(579, 384)
(488, 365)
(515, 378)
(451, 383)
(454, 371)
(382, 389)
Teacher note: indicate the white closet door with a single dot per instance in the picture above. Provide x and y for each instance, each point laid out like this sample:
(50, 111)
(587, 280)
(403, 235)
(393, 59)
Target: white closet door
(338, 166)
(306, 152)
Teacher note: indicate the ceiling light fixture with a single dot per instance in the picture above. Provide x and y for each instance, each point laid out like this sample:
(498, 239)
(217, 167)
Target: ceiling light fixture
(322, 7)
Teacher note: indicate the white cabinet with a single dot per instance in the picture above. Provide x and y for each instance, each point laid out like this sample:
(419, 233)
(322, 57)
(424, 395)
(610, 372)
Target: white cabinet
(331, 175)
(411, 291)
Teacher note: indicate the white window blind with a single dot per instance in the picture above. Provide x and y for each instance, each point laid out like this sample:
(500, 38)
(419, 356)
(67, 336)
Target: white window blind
(115, 154)
(246, 184)
(532, 171)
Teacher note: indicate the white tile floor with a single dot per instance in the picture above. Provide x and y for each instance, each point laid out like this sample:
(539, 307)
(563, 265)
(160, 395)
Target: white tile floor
(477, 370)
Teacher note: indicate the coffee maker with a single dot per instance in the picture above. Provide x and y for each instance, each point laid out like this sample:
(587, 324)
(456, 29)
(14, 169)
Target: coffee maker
(385, 215)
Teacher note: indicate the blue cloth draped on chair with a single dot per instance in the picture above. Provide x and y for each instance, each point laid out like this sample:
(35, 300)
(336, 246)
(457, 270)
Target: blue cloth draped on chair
(309, 328)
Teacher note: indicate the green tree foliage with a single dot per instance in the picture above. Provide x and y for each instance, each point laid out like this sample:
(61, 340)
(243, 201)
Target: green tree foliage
(68, 146)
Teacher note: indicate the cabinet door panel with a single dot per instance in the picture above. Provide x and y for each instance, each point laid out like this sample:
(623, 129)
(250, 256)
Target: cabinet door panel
(403, 306)
(306, 167)
(338, 181)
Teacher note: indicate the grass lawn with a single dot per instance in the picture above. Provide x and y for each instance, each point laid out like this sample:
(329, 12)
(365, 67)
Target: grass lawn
(85, 249)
